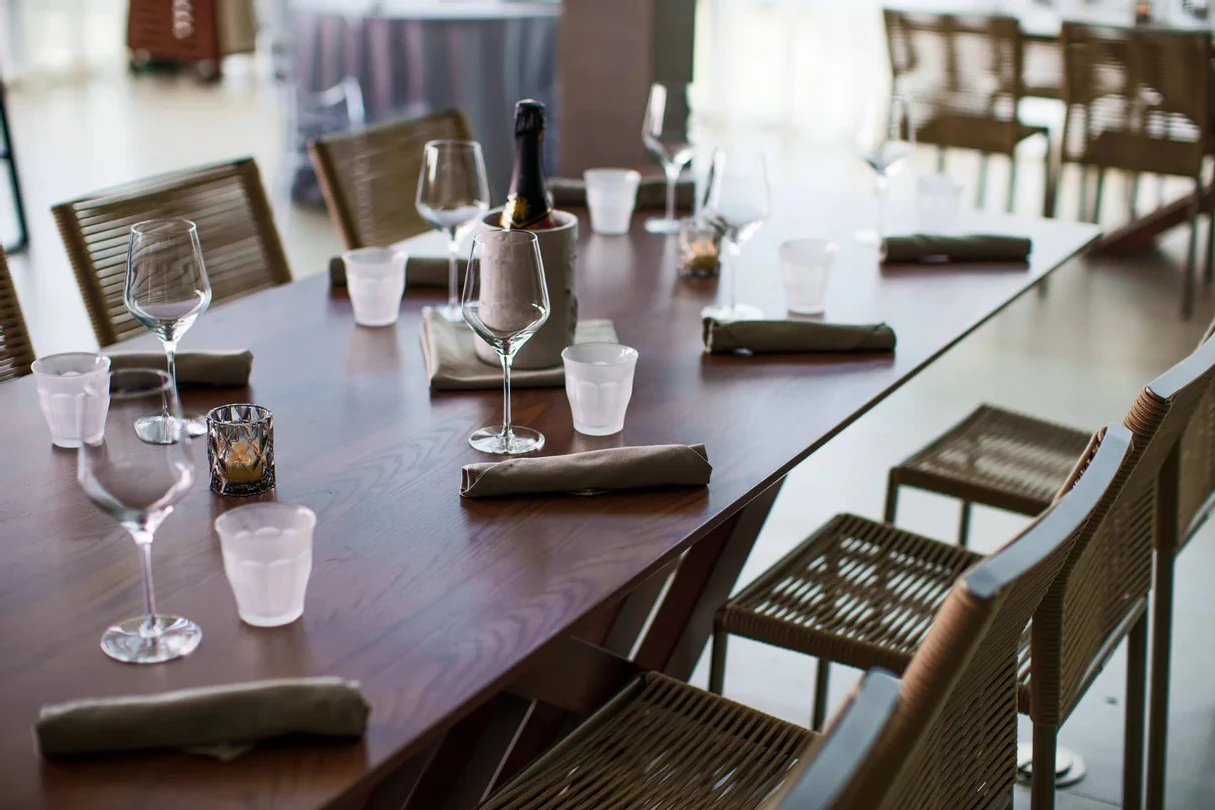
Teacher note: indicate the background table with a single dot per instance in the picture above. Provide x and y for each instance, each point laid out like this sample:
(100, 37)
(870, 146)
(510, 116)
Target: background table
(436, 604)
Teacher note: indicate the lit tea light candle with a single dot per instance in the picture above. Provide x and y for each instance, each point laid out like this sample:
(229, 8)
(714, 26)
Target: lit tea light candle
(699, 248)
(242, 464)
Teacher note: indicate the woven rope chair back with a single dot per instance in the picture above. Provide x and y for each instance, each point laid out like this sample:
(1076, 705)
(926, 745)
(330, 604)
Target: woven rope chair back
(958, 715)
(16, 351)
(240, 244)
(369, 176)
(1197, 477)
(961, 75)
(1108, 576)
(1137, 99)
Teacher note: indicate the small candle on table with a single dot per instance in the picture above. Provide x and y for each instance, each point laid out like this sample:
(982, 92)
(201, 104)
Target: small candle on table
(241, 464)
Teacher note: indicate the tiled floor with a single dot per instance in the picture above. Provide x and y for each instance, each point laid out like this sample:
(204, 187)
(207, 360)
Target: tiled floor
(1076, 355)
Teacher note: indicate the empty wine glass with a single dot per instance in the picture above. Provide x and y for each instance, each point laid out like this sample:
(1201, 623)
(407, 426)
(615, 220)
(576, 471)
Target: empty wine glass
(505, 303)
(884, 145)
(166, 290)
(665, 133)
(138, 482)
(737, 203)
(452, 194)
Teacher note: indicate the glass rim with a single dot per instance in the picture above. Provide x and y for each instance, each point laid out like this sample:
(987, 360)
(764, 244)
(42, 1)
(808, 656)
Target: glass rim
(452, 143)
(627, 353)
(269, 506)
(262, 414)
(513, 236)
(39, 365)
(168, 227)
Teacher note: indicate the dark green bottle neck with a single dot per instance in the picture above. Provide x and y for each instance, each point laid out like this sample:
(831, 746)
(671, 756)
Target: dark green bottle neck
(527, 181)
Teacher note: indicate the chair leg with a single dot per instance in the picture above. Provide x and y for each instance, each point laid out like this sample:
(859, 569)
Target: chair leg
(892, 498)
(717, 661)
(819, 710)
(981, 195)
(1099, 194)
(1042, 786)
(964, 525)
(1132, 195)
(1011, 202)
(940, 160)
(1132, 744)
(1082, 211)
(1158, 689)
(1050, 182)
(1191, 258)
(1208, 273)
(14, 179)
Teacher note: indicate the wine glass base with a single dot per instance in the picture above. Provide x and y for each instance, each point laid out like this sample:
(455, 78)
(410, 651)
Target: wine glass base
(520, 440)
(170, 637)
(160, 429)
(662, 225)
(737, 312)
(868, 236)
(451, 312)
(196, 424)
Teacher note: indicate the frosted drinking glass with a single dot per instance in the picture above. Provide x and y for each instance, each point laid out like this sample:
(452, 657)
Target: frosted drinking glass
(375, 280)
(806, 268)
(61, 380)
(267, 549)
(599, 384)
(611, 195)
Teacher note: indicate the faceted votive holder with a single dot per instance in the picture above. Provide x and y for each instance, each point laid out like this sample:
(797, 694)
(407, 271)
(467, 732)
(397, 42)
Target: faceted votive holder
(240, 449)
(699, 248)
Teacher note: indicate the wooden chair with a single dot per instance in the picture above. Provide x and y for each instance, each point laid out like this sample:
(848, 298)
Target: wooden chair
(962, 75)
(16, 351)
(369, 176)
(1139, 100)
(240, 243)
(664, 742)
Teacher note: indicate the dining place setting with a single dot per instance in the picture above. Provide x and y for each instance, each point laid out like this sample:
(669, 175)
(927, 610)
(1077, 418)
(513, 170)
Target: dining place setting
(371, 567)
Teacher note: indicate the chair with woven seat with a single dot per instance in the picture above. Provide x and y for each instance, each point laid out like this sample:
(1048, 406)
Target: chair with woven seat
(16, 351)
(858, 592)
(240, 244)
(368, 176)
(963, 78)
(668, 744)
(1139, 100)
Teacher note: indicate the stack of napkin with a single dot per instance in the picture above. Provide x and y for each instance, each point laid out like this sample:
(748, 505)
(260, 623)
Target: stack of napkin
(973, 249)
(651, 193)
(665, 465)
(226, 369)
(795, 336)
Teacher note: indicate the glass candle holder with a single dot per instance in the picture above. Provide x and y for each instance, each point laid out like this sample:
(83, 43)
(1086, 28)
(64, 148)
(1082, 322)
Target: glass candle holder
(240, 449)
(699, 248)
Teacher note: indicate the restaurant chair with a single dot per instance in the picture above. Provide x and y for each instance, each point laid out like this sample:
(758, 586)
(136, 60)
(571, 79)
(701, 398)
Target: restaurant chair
(16, 351)
(1138, 100)
(663, 743)
(963, 78)
(370, 177)
(862, 593)
(240, 243)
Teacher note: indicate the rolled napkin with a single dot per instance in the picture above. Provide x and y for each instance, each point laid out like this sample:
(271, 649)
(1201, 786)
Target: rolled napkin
(663, 465)
(795, 336)
(976, 248)
(449, 350)
(224, 369)
(226, 715)
(651, 193)
(420, 271)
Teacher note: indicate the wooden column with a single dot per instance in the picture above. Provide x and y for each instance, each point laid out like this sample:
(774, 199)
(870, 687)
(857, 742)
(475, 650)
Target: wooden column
(608, 55)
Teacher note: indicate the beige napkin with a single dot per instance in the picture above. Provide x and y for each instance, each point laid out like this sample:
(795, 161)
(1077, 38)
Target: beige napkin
(452, 363)
(976, 248)
(225, 369)
(211, 716)
(651, 193)
(796, 336)
(420, 271)
(663, 465)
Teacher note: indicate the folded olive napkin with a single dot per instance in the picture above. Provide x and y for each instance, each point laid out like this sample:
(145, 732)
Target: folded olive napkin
(225, 369)
(420, 271)
(452, 363)
(976, 248)
(651, 193)
(663, 465)
(233, 714)
(796, 336)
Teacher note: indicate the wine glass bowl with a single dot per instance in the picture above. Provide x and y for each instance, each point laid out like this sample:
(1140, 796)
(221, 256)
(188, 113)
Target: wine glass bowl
(166, 289)
(884, 145)
(453, 193)
(505, 302)
(665, 133)
(138, 482)
(737, 204)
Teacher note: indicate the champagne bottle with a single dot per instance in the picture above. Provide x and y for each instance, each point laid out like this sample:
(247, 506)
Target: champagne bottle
(528, 205)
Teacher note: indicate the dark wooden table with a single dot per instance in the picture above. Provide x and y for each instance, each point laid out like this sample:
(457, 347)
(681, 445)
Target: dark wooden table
(434, 603)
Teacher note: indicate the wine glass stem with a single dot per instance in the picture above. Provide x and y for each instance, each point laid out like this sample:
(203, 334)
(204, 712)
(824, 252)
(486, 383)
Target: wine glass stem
(672, 178)
(506, 361)
(883, 187)
(171, 361)
(143, 539)
(734, 251)
(453, 272)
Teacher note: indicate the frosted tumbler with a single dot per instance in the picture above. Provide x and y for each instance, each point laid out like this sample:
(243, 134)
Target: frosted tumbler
(938, 200)
(267, 550)
(611, 195)
(61, 380)
(806, 268)
(599, 384)
(375, 279)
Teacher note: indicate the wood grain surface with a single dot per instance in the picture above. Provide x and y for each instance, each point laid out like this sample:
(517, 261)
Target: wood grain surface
(433, 603)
